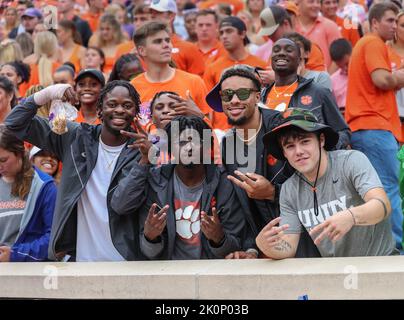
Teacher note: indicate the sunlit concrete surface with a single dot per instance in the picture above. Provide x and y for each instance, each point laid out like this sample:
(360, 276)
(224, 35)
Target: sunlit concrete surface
(325, 278)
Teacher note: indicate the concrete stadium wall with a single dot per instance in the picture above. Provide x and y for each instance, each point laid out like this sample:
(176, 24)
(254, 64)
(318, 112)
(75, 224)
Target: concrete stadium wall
(325, 278)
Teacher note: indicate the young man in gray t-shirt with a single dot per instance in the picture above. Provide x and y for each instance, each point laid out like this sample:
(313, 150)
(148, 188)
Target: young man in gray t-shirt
(337, 196)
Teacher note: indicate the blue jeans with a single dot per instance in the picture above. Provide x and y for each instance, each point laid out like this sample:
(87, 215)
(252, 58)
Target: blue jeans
(381, 148)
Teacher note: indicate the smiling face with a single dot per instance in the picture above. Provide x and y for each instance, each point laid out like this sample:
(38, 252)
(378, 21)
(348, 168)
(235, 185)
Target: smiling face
(303, 152)
(88, 90)
(309, 8)
(329, 8)
(285, 57)
(118, 110)
(239, 112)
(46, 162)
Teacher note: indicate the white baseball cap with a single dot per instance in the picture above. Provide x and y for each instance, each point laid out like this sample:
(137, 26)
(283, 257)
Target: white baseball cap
(34, 151)
(164, 5)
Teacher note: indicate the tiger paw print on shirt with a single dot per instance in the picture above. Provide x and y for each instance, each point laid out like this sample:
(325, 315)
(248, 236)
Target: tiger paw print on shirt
(188, 223)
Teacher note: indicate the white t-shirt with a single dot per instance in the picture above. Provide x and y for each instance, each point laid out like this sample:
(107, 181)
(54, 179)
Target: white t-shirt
(94, 242)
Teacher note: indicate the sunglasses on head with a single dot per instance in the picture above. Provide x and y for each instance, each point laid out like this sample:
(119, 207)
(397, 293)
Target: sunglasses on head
(242, 94)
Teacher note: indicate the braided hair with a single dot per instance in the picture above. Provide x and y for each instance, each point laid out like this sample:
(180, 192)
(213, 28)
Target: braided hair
(120, 63)
(119, 83)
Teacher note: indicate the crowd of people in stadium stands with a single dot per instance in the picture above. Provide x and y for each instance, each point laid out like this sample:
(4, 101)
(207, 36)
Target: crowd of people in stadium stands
(205, 129)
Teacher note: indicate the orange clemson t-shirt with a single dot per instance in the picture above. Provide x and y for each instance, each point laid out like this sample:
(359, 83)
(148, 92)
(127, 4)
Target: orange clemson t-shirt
(279, 97)
(368, 107)
(180, 83)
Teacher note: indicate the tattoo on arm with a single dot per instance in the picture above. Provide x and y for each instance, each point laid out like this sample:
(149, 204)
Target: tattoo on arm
(283, 246)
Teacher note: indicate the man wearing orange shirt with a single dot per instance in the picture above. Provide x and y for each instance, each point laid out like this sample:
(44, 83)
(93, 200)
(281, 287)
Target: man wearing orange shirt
(276, 22)
(207, 31)
(185, 54)
(329, 10)
(92, 16)
(233, 37)
(154, 46)
(316, 28)
(371, 109)
(292, 91)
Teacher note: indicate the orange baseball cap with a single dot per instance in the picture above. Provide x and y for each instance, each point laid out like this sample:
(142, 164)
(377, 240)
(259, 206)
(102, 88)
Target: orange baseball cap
(291, 7)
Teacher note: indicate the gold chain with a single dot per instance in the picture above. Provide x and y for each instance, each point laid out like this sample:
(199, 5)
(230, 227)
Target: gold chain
(255, 135)
(278, 94)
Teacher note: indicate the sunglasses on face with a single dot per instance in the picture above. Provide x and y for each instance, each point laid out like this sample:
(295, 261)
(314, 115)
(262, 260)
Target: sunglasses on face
(242, 94)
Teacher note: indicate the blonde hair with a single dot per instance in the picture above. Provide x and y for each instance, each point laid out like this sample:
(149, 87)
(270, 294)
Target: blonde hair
(45, 47)
(114, 8)
(118, 34)
(42, 111)
(10, 51)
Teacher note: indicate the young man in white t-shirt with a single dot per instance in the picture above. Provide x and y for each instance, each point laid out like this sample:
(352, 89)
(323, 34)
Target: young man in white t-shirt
(95, 159)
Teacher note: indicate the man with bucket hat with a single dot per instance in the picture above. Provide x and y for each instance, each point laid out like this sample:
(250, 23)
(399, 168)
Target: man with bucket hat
(257, 176)
(336, 196)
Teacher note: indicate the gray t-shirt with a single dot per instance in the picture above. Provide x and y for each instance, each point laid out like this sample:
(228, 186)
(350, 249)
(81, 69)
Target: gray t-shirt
(11, 211)
(349, 176)
(187, 203)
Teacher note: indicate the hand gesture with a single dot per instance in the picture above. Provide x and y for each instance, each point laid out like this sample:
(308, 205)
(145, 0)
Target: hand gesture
(211, 226)
(335, 227)
(141, 141)
(5, 252)
(267, 76)
(185, 107)
(256, 186)
(155, 222)
(270, 235)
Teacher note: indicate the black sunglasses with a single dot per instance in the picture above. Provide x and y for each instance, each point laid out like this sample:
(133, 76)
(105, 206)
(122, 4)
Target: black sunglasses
(242, 94)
